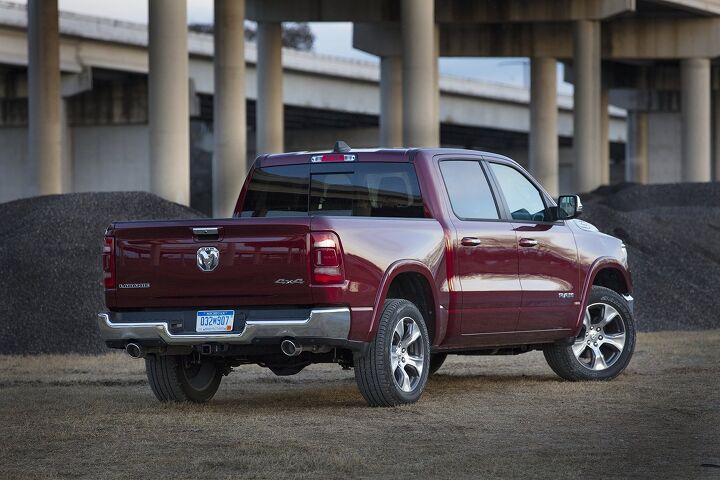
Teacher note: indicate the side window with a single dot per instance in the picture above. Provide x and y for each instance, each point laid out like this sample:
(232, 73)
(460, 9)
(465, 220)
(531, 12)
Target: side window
(523, 199)
(469, 191)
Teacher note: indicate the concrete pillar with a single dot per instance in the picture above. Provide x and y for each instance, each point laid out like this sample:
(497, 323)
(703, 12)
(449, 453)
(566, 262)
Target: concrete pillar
(44, 100)
(636, 147)
(169, 100)
(419, 70)
(695, 103)
(716, 135)
(604, 132)
(269, 111)
(436, 85)
(391, 109)
(544, 157)
(230, 130)
(586, 117)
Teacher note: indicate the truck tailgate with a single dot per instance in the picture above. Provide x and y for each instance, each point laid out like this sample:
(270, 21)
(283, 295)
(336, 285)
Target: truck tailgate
(259, 262)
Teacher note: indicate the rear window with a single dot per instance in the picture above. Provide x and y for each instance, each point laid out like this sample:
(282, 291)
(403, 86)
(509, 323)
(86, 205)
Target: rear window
(277, 192)
(358, 189)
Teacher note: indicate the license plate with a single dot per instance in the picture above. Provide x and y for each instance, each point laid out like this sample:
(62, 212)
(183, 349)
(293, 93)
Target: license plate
(215, 321)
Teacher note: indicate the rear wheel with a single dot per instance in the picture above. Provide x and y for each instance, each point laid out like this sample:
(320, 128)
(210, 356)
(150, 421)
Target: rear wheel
(605, 344)
(395, 368)
(180, 378)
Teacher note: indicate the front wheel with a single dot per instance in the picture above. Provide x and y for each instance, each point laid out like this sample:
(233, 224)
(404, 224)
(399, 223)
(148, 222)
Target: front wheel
(394, 370)
(180, 378)
(605, 344)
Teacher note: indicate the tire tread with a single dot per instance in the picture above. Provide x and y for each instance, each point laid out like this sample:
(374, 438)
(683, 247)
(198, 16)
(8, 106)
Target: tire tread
(371, 371)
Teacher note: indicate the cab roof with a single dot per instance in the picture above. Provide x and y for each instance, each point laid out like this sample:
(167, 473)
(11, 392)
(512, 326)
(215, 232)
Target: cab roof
(370, 155)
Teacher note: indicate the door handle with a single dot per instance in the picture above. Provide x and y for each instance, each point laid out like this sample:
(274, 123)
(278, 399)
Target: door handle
(470, 241)
(528, 242)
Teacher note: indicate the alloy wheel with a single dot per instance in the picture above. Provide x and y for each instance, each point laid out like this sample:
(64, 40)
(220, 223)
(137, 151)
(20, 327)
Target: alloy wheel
(602, 339)
(407, 354)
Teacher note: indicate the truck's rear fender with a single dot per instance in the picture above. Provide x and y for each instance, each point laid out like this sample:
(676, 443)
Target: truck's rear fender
(375, 250)
(433, 305)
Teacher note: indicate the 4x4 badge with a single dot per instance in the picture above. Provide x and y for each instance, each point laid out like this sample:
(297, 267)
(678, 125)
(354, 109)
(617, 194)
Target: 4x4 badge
(282, 281)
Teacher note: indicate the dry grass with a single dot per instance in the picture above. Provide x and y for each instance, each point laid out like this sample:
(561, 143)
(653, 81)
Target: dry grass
(95, 417)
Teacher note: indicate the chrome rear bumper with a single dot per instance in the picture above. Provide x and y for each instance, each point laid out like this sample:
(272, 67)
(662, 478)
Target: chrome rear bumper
(323, 323)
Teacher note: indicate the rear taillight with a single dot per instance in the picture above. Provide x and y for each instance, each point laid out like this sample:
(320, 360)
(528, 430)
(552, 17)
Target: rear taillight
(325, 259)
(108, 259)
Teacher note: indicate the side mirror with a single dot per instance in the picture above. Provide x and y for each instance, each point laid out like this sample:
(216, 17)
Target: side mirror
(569, 206)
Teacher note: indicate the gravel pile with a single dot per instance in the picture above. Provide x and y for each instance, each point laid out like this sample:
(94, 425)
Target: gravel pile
(50, 270)
(672, 233)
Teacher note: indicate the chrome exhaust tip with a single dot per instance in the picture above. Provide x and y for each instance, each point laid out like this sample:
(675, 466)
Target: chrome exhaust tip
(135, 350)
(290, 348)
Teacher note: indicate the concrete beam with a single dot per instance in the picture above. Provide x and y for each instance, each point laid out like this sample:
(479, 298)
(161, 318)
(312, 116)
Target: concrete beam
(381, 39)
(632, 38)
(44, 103)
(661, 38)
(696, 6)
(76, 83)
(169, 101)
(446, 11)
(507, 11)
(323, 11)
(507, 40)
(229, 160)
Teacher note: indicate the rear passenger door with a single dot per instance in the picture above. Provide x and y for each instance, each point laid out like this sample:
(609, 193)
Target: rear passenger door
(548, 267)
(485, 252)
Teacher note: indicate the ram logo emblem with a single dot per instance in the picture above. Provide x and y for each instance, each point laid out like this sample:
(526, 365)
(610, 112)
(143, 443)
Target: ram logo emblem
(208, 258)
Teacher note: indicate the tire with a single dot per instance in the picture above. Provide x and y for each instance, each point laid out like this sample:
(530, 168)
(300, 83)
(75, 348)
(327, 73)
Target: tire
(395, 367)
(173, 378)
(436, 361)
(604, 345)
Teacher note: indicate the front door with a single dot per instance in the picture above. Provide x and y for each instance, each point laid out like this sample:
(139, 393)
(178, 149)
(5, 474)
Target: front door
(485, 252)
(548, 263)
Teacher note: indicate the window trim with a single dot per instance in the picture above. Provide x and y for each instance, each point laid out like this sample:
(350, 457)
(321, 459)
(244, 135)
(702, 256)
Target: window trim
(499, 191)
(479, 160)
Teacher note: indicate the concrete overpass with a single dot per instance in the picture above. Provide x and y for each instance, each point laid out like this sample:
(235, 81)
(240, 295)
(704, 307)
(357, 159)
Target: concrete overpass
(105, 110)
(654, 57)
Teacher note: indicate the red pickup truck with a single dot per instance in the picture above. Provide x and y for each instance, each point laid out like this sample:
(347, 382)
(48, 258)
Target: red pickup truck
(384, 261)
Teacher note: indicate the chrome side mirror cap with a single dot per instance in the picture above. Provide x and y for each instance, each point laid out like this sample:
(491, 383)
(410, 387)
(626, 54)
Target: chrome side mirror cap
(569, 206)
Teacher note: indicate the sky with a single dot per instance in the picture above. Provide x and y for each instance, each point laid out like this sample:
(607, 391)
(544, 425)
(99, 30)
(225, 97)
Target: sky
(331, 38)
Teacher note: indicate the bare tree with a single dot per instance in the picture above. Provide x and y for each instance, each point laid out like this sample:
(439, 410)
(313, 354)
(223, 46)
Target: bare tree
(298, 36)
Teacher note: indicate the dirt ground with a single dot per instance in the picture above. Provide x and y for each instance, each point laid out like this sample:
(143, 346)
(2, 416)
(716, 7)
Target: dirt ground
(95, 417)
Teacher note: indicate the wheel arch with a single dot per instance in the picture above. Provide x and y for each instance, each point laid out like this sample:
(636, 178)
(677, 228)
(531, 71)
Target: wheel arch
(606, 272)
(413, 281)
